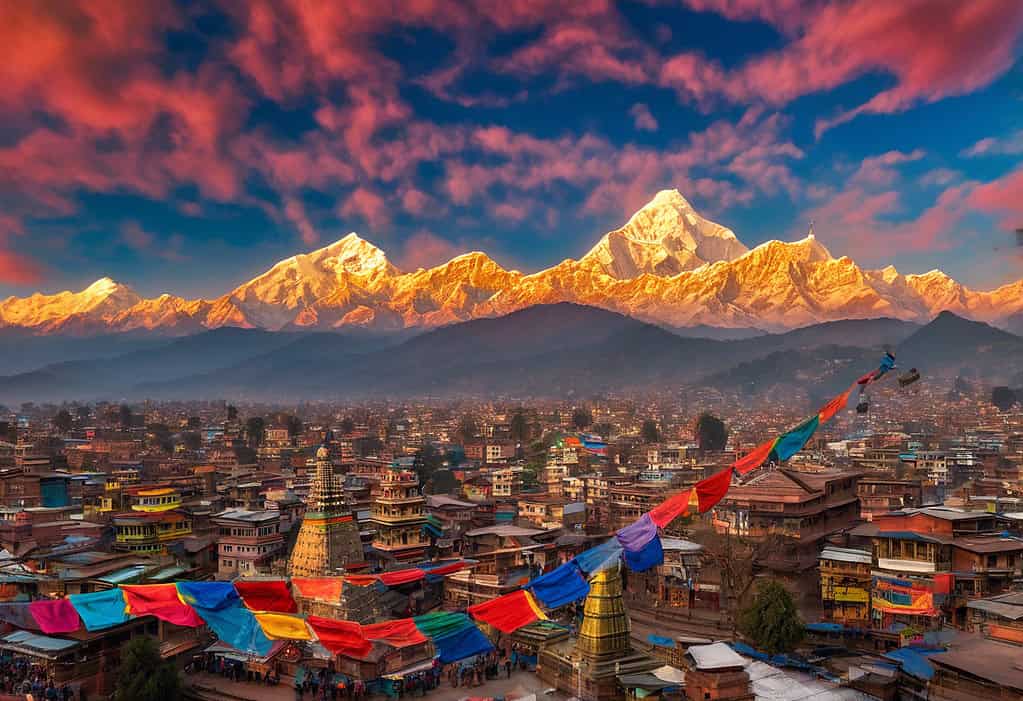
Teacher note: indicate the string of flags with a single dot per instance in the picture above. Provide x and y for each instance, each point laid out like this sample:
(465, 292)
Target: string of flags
(250, 614)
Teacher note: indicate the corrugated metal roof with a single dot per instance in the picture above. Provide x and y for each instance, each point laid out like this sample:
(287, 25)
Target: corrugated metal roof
(846, 555)
(127, 574)
(715, 656)
(1013, 612)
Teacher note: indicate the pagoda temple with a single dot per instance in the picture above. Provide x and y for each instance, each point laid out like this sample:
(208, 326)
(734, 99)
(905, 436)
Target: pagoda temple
(328, 540)
(398, 517)
(588, 665)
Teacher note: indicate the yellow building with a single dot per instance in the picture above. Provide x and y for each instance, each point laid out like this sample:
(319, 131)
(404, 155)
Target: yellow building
(398, 517)
(149, 532)
(153, 501)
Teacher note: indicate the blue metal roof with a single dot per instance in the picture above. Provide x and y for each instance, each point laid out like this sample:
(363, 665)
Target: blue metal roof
(120, 576)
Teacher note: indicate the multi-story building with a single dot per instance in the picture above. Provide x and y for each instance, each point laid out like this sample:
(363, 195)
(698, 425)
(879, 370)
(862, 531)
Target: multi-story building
(398, 516)
(247, 542)
(880, 495)
(499, 451)
(155, 500)
(546, 511)
(150, 532)
(506, 482)
(845, 586)
(930, 562)
(800, 508)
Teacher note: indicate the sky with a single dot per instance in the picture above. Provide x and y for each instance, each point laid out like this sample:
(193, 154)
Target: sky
(184, 147)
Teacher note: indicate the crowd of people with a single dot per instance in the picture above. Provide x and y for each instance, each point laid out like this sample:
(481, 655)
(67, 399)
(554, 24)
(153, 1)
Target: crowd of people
(18, 675)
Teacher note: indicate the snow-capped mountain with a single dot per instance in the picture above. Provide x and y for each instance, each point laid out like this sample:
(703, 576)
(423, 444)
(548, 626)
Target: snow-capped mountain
(666, 265)
(666, 237)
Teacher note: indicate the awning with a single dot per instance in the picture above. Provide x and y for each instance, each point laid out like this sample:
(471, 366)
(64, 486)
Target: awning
(644, 680)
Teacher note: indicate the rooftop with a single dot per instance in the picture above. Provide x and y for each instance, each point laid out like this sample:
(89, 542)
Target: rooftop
(995, 662)
(715, 656)
(246, 515)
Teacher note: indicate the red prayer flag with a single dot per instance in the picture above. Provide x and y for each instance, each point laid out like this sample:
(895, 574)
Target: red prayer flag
(266, 595)
(340, 637)
(323, 588)
(711, 490)
(835, 405)
(400, 633)
(391, 579)
(54, 615)
(162, 601)
(943, 583)
(754, 459)
(507, 613)
(670, 509)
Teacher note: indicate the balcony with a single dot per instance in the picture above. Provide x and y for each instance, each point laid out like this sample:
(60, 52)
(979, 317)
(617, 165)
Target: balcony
(890, 564)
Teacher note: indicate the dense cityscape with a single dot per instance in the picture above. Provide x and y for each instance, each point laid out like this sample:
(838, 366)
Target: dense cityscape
(896, 542)
(518, 350)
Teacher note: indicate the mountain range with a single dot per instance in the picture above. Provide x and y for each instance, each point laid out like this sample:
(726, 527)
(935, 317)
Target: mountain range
(559, 350)
(667, 265)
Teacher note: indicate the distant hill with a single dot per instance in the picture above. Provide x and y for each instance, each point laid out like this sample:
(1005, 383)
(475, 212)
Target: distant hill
(547, 350)
(951, 341)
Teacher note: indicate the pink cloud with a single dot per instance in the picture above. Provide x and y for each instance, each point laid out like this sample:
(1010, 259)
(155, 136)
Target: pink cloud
(369, 205)
(641, 117)
(879, 170)
(425, 250)
(135, 237)
(295, 212)
(16, 269)
(1002, 196)
(1011, 145)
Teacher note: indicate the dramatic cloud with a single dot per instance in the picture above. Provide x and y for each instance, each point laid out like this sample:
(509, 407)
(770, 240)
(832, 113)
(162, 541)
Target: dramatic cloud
(1011, 145)
(310, 115)
(641, 117)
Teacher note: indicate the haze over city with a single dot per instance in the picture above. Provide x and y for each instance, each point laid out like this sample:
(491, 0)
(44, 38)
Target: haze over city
(523, 350)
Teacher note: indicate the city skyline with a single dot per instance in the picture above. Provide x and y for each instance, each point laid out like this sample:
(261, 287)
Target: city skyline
(218, 139)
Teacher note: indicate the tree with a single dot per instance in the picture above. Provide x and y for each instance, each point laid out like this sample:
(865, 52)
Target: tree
(63, 421)
(1003, 398)
(232, 412)
(144, 675)
(125, 416)
(295, 427)
(467, 428)
(519, 426)
(194, 423)
(581, 418)
(255, 427)
(603, 429)
(347, 426)
(84, 412)
(426, 462)
(771, 620)
(711, 433)
(192, 440)
(650, 433)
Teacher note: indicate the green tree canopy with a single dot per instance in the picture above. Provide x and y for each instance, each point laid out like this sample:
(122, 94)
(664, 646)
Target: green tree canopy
(711, 433)
(232, 412)
(194, 423)
(347, 425)
(519, 426)
(581, 418)
(771, 620)
(255, 427)
(467, 428)
(1003, 398)
(125, 416)
(650, 432)
(295, 427)
(144, 675)
(63, 421)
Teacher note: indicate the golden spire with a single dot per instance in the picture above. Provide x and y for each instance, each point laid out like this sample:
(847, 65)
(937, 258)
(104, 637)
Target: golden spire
(605, 629)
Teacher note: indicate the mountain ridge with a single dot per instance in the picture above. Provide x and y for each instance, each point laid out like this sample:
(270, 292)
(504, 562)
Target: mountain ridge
(667, 265)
